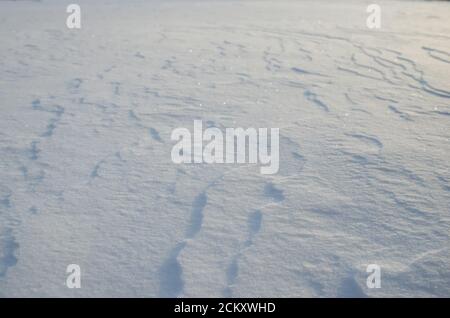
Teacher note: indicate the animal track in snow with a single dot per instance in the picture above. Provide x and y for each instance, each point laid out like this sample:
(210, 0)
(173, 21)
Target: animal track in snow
(155, 134)
(232, 271)
(197, 214)
(8, 247)
(273, 193)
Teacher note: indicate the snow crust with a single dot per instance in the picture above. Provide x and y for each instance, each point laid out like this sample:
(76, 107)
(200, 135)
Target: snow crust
(86, 175)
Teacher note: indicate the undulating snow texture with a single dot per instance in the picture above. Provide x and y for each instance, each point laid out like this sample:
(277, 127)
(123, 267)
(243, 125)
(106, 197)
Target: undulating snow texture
(86, 175)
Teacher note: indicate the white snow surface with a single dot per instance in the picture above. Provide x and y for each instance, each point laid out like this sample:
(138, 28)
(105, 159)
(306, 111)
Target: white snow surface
(86, 175)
